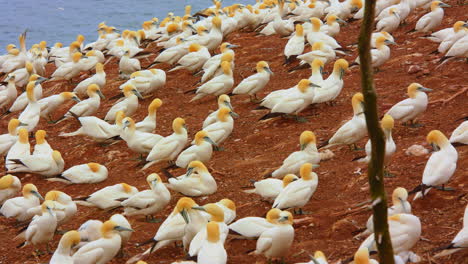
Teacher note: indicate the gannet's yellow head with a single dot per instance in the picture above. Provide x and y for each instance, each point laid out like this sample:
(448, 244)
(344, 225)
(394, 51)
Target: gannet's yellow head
(30, 91)
(94, 167)
(307, 137)
(224, 47)
(178, 125)
(130, 89)
(317, 45)
(458, 25)
(30, 189)
(147, 25)
(129, 123)
(319, 255)
(299, 30)
(303, 85)
(217, 214)
(273, 215)
(70, 239)
(29, 67)
(357, 102)
(414, 88)
(12, 126)
(200, 137)
(76, 57)
(52, 195)
(223, 114)
(212, 230)
(6, 181)
(153, 178)
(23, 136)
(80, 39)
(109, 227)
(285, 218)
(340, 67)
(316, 23)
(437, 139)
(40, 136)
(228, 203)
(380, 41)
(331, 19)
(58, 45)
(288, 179)
(438, 4)
(201, 30)
(188, 9)
(184, 203)
(141, 34)
(47, 206)
(126, 187)
(196, 166)
(357, 4)
(74, 46)
(10, 47)
(362, 256)
(171, 28)
(94, 89)
(263, 66)
(153, 107)
(306, 171)
(227, 56)
(119, 43)
(387, 122)
(57, 157)
(317, 65)
(216, 21)
(194, 47)
(399, 195)
(43, 45)
(69, 96)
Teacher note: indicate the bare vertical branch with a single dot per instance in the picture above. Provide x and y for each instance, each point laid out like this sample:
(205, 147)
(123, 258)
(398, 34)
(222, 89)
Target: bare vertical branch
(375, 170)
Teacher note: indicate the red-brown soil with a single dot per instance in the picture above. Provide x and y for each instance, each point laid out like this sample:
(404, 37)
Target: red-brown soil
(255, 148)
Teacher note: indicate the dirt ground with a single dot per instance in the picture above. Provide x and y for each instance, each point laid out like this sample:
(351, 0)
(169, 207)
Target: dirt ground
(257, 147)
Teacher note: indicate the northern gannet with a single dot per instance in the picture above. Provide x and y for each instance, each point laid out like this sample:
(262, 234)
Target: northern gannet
(201, 150)
(197, 181)
(298, 193)
(409, 109)
(307, 154)
(31, 114)
(42, 147)
(220, 84)
(148, 124)
(432, 19)
(223, 101)
(9, 186)
(47, 165)
(64, 251)
(128, 65)
(99, 79)
(22, 75)
(169, 147)
(194, 60)
(147, 81)
(331, 87)
(254, 226)
(42, 227)
(148, 202)
(353, 130)
(17, 207)
(381, 53)
(138, 141)
(295, 45)
(108, 197)
(290, 102)
(104, 249)
(389, 23)
(49, 104)
(89, 106)
(22, 100)
(21, 148)
(270, 188)
(212, 248)
(97, 128)
(256, 82)
(314, 35)
(70, 69)
(84, 173)
(9, 139)
(276, 242)
(222, 128)
(128, 105)
(319, 51)
(332, 27)
(446, 33)
(440, 166)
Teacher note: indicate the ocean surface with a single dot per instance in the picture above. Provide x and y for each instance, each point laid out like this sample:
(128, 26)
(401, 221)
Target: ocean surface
(62, 20)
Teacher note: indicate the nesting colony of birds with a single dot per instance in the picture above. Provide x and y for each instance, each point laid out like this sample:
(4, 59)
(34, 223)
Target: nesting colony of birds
(236, 134)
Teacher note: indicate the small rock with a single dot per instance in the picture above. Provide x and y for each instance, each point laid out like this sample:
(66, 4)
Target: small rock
(414, 69)
(326, 155)
(426, 72)
(416, 150)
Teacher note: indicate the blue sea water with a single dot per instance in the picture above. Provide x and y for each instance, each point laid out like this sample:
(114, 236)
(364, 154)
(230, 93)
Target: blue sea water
(62, 20)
